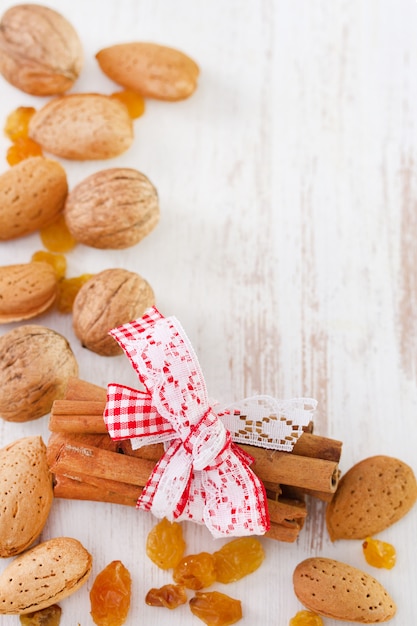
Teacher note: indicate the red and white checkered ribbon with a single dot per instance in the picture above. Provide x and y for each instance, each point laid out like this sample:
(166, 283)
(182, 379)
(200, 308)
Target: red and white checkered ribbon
(203, 475)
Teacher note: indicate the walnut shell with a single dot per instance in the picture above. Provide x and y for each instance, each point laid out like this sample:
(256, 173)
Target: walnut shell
(112, 209)
(35, 365)
(40, 51)
(109, 299)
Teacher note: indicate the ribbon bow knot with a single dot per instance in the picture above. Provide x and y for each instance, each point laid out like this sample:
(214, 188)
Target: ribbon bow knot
(203, 475)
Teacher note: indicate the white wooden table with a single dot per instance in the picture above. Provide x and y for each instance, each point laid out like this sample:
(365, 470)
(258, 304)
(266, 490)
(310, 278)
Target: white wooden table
(287, 247)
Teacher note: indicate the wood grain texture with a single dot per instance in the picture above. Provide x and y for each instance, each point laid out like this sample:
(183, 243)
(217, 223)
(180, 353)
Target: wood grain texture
(286, 247)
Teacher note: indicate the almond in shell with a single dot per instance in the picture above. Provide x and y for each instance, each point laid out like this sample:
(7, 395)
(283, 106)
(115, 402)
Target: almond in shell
(337, 590)
(26, 290)
(32, 195)
(150, 69)
(372, 495)
(27, 494)
(83, 127)
(44, 575)
(40, 51)
(114, 208)
(35, 366)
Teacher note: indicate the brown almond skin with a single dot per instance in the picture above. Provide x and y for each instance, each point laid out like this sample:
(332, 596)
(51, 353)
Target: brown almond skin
(334, 589)
(27, 494)
(108, 300)
(374, 494)
(26, 290)
(32, 195)
(35, 366)
(150, 69)
(44, 575)
(83, 127)
(40, 51)
(112, 209)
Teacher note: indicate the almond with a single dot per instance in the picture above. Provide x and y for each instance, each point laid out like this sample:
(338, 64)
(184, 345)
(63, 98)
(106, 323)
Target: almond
(26, 290)
(27, 494)
(337, 590)
(40, 51)
(83, 127)
(32, 195)
(44, 575)
(372, 495)
(113, 208)
(150, 69)
(109, 299)
(35, 366)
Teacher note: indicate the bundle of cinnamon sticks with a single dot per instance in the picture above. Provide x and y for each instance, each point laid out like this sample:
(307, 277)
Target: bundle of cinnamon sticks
(88, 465)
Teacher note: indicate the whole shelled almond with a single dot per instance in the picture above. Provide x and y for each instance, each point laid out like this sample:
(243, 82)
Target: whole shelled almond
(27, 494)
(334, 589)
(113, 208)
(109, 299)
(44, 575)
(26, 290)
(32, 195)
(40, 51)
(374, 494)
(150, 69)
(82, 127)
(35, 366)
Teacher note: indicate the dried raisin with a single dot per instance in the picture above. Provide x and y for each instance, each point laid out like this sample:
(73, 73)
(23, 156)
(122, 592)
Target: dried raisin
(238, 558)
(306, 618)
(169, 596)
(165, 544)
(56, 237)
(379, 553)
(215, 608)
(195, 571)
(110, 595)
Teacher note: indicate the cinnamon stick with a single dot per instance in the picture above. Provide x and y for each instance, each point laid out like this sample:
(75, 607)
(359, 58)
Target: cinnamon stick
(117, 475)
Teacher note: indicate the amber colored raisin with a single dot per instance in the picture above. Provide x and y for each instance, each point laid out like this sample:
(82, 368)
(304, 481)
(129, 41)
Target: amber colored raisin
(58, 261)
(67, 291)
(306, 618)
(165, 544)
(133, 101)
(195, 571)
(238, 558)
(379, 553)
(110, 595)
(51, 616)
(215, 608)
(17, 123)
(169, 596)
(56, 237)
(23, 148)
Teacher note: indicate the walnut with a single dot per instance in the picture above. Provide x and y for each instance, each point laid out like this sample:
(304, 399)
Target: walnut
(35, 365)
(109, 299)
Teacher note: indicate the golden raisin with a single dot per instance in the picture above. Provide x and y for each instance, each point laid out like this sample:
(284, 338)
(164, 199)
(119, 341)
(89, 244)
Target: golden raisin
(23, 148)
(195, 571)
(110, 595)
(215, 608)
(56, 237)
(17, 123)
(58, 261)
(67, 291)
(238, 558)
(306, 618)
(168, 596)
(165, 544)
(51, 616)
(133, 101)
(379, 553)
